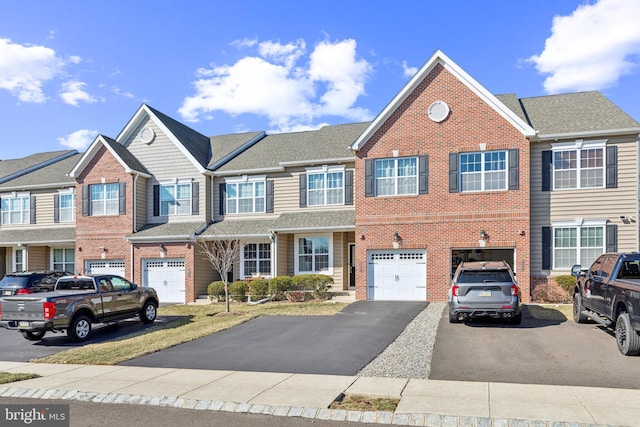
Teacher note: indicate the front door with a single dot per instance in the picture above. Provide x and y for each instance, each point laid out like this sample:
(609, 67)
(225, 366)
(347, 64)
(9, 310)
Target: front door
(352, 265)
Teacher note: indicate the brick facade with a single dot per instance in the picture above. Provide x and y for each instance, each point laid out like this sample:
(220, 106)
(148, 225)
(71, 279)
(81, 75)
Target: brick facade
(441, 221)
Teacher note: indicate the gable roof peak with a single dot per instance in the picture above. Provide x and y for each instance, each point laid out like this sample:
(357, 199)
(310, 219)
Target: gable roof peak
(439, 58)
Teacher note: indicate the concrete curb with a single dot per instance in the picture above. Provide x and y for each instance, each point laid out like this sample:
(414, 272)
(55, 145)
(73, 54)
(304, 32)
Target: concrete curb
(382, 417)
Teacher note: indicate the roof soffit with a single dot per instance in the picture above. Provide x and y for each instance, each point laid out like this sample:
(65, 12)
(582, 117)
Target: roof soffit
(439, 58)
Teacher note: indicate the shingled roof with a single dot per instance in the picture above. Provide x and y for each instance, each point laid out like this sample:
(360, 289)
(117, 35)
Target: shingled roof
(14, 168)
(51, 175)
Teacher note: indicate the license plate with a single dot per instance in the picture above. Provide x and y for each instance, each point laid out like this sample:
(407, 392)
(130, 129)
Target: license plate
(7, 292)
(23, 324)
(484, 294)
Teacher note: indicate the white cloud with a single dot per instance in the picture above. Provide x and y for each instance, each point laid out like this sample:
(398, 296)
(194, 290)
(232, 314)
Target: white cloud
(24, 69)
(284, 84)
(591, 48)
(79, 140)
(408, 71)
(73, 92)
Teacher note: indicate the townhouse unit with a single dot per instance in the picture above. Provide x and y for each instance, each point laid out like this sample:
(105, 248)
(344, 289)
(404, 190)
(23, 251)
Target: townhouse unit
(447, 172)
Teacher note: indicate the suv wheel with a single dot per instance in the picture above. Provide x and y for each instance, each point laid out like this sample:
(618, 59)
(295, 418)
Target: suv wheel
(627, 339)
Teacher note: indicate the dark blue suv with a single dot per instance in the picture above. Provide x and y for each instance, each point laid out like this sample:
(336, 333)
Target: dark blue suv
(29, 282)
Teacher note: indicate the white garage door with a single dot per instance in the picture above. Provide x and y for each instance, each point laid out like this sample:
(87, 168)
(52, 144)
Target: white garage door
(399, 275)
(106, 266)
(166, 276)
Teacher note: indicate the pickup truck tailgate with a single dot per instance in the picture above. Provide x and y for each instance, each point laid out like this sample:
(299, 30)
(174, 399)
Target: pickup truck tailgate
(22, 308)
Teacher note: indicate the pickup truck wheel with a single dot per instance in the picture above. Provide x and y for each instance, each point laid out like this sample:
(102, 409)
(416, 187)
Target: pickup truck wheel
(627, 339)
(578, 308)
(149, 312)
(33, 335)
(80, 328)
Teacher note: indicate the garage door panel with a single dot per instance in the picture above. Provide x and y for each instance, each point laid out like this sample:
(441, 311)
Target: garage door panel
(167, 277)
(105, 267)
(396, 275)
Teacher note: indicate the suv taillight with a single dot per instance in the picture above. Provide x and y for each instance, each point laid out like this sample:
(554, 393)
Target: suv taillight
(514, 290)
(24, 291)
(454, 290)
(49, 309)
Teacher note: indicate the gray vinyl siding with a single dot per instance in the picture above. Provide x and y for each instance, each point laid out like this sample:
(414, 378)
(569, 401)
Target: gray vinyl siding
(164, 160)
(602, 203)
(38, 258)
(285, 255)
(141, 202)
(203, 273)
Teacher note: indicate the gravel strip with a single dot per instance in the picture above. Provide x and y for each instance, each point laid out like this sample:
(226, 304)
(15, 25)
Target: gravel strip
(409, 356)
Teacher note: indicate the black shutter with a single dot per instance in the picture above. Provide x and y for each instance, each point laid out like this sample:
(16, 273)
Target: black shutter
(33, 209)
(546, 170)
(546, 248)
(56, 208)
(348, 187)
(156, 200)
(454, 176)
(423, 174)
(123, 199)
(269, 195)
(303, 190)
(612, 166)
(514, 174)
(85, 200)
(369, 179)
(195, 198)
(223, 196)
(612, 238)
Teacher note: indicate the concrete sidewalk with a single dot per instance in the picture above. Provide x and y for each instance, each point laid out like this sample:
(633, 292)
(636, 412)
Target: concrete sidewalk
(422, 402)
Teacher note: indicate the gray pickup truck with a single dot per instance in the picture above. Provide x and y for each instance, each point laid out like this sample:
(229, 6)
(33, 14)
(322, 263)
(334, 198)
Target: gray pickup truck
(609, 293)
(76, 303)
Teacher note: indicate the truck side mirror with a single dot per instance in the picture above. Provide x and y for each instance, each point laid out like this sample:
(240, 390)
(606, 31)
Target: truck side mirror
(576, 271)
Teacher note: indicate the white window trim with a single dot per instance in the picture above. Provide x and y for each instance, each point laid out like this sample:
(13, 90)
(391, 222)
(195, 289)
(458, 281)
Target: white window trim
(577, 223)
(53, 248)
(16, 195)
(296, 237)
(91, 200)
(67, 192)
(242, 273)
(395, 191)
(25, 256)
(483, 172)
(244, 179)
(176, 182)
(578, 145)
(326, 170)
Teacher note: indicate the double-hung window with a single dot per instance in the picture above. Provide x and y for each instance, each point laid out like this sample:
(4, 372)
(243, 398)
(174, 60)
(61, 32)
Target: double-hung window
(15, 209)
(105, 199)
(245, 196)
(256, 259)
(396, 176)
(577, 244)
(325, 186)
(175, 199)
(64, 259)
(579, 164)
(314, 254)
(483, 171)
(67, 208)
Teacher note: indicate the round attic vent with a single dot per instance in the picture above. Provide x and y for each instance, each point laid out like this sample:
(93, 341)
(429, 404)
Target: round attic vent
(438, 111)
(147, 135)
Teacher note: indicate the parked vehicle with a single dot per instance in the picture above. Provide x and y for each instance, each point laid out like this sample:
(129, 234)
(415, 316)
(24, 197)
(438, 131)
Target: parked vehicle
(609, 293)
(29, 282)
(484, 289)
(76, 303)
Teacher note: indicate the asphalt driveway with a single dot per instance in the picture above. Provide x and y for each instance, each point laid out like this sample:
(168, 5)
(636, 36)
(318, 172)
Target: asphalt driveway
(341, 344)
(549, 350)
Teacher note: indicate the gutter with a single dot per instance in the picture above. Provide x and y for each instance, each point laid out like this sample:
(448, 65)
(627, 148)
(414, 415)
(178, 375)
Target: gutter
(595, 133)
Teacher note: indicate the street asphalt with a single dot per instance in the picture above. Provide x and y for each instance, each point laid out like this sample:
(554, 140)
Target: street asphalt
(330, 345)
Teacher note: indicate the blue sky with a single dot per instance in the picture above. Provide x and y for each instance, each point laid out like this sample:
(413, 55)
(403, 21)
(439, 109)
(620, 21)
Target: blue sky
(72, 69)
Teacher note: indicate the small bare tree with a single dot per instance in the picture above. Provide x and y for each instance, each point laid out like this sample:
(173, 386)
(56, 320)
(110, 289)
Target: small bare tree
(221, 252)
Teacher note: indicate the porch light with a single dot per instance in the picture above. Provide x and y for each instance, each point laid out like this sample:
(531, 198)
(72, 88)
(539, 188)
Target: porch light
(396, 237)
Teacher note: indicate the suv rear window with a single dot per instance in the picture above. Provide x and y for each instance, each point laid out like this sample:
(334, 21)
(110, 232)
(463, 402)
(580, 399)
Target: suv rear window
(482, 276)
(13, 280)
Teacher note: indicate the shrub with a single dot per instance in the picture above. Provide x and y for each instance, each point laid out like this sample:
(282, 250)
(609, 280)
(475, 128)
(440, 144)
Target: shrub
(278, 286)
(549, 292)
(296, 295)
(258, 289)
(237, 291)
(566, 282)
(216, 290)
(318, 284)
